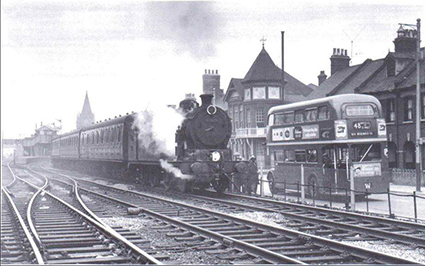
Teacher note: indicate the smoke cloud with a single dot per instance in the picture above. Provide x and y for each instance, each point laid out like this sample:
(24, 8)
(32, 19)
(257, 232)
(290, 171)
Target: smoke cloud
(174, 170)
(157, 127)
(190, 27)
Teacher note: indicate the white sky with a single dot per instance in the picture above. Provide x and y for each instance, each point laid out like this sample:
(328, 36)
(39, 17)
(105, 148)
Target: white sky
(127, 54)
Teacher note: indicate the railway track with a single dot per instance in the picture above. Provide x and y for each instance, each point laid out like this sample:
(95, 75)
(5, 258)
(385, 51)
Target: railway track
(331, 223)
(246, 241)
(335, 224)
(66, 235)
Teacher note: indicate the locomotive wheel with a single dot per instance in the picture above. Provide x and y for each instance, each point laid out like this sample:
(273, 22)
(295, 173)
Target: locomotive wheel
(221, 185)
(184, 185)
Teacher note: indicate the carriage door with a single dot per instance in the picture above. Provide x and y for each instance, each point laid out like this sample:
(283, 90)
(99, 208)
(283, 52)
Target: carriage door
(132, 141)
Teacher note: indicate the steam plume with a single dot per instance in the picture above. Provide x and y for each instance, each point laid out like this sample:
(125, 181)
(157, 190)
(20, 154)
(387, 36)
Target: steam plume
(157, 126)
(174, 170)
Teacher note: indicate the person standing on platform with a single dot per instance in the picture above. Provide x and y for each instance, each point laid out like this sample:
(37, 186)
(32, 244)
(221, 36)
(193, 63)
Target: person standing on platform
(252, 176)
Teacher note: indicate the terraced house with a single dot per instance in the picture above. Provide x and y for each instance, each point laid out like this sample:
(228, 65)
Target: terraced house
(393, 81)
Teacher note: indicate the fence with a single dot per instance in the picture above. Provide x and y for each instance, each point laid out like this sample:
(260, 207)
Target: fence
(405, 177)
(334, 195)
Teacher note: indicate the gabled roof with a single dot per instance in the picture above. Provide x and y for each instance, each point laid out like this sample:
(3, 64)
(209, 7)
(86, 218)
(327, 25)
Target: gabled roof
(234, 85)
(371, 77)
(47, 127)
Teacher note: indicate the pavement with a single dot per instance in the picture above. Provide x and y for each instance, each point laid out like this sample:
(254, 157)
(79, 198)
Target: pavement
(401, 202)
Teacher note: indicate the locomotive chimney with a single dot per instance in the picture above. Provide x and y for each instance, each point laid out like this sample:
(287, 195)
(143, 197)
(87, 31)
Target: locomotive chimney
(206, 99)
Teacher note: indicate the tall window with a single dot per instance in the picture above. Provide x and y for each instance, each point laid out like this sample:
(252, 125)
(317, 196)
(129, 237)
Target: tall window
(260, 117)
(248, 118)
(274, 92)
(241, 116)
(408, 109)
(390, 110)
(236, 113)
(247, 94)
(258, 92)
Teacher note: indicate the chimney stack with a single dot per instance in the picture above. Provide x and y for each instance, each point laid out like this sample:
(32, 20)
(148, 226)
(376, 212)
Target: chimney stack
(339, 60)
(322, 77)
(211, 80)
(406, 40)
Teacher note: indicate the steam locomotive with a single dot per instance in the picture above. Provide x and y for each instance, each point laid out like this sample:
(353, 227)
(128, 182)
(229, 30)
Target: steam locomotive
(113, 148)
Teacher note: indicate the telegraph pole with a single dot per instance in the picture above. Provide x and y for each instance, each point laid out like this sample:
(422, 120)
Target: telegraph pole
(418, 108)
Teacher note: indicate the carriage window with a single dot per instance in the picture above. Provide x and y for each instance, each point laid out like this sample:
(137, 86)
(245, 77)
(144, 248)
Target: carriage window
(311, 156)
(97, 136)
(92, 137)
(288, 118)
(323, 113)
(102, 134)
(289, 155)
(119, 134)
(359, 110)
(278, 119)
(279, 156)
(311, 115)
(300, 156)
(299, 116)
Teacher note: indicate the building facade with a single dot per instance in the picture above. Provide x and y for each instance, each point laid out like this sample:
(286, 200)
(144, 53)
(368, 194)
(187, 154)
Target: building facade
(249, 100)
(393, 81)
(86, 117)
(40, 143)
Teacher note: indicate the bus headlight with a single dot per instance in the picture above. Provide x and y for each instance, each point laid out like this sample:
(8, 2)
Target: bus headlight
(215, 156)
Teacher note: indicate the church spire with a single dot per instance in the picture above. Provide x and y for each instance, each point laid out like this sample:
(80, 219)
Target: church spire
(86, 106)
(86, 117)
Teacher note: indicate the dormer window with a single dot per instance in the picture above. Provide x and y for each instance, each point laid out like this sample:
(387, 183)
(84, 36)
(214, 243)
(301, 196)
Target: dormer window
(258, 93)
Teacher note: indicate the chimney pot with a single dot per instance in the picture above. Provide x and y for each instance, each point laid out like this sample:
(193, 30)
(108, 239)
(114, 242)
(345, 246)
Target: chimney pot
(205, 71)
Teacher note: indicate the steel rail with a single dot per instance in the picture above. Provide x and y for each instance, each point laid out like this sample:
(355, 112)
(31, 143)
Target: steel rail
(108, 230)
(338, 246)
(28, 235)
(376, 232)
(267, 254)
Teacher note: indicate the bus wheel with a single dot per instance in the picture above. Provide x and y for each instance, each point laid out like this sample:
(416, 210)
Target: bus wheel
(312, 189)
(272, 187)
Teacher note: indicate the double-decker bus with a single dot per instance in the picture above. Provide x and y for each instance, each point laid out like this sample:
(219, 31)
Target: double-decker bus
(328, 141)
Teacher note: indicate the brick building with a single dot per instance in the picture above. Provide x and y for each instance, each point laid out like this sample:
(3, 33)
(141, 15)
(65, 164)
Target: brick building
(249, 100)
(393, 81)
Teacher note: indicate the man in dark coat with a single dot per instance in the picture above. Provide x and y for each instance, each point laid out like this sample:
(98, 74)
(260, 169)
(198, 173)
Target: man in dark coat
(252, 176)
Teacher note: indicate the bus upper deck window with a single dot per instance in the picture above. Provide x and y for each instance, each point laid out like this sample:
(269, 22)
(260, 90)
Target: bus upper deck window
(311, 114)
(299, 116)
(359, 110)
(278, 119)
(323, 113)
(288, 118)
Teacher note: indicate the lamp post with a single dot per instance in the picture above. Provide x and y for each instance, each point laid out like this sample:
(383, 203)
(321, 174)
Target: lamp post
(418, 107)
(418, 143)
